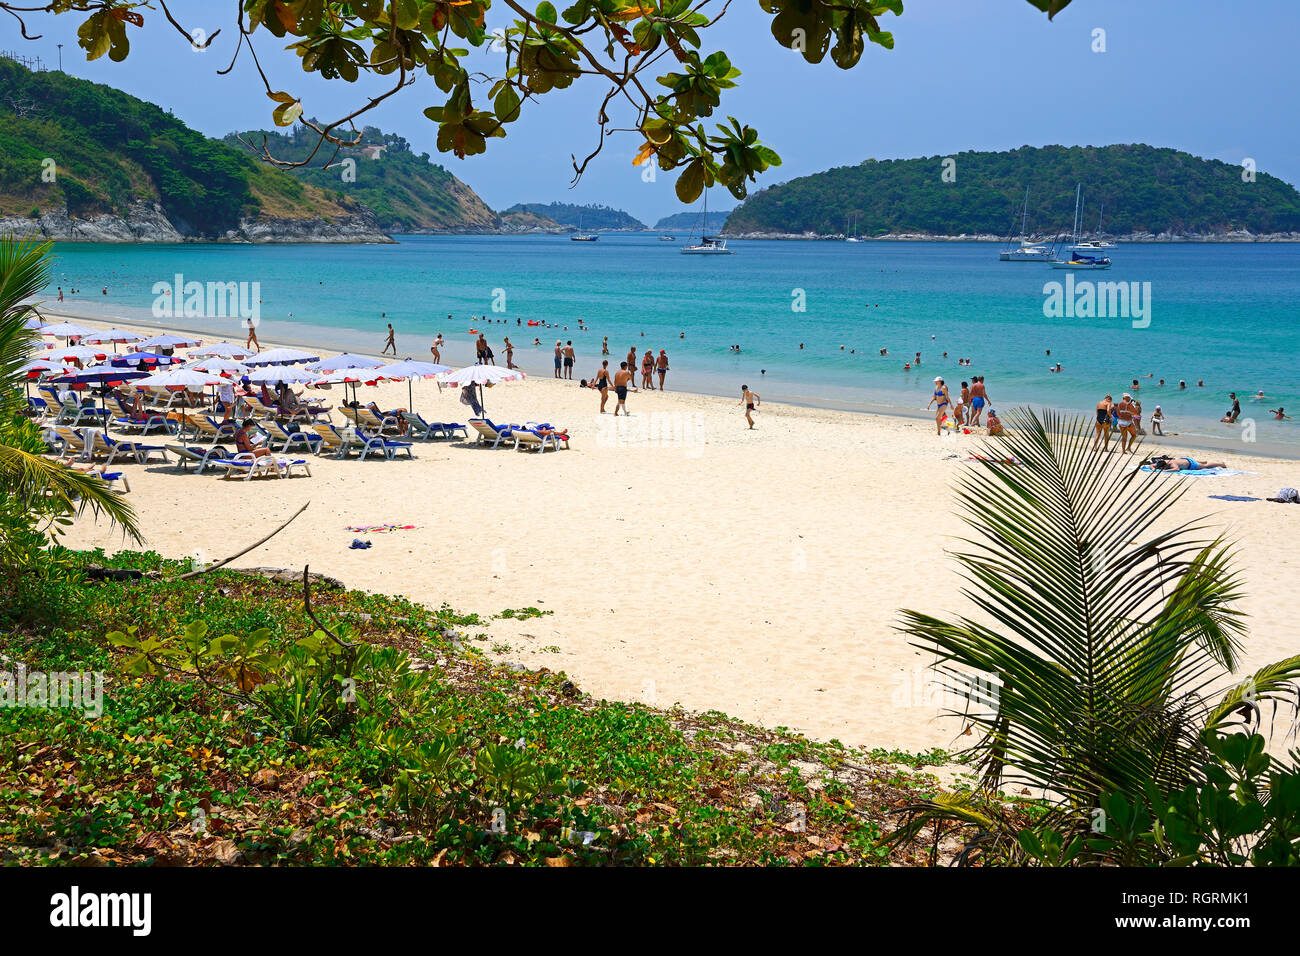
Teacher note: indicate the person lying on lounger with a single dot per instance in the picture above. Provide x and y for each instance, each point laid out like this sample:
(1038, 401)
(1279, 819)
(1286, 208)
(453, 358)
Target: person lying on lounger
(1171, 463)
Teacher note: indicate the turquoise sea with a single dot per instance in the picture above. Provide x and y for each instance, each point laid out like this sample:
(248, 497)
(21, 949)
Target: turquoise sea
(1221, 313)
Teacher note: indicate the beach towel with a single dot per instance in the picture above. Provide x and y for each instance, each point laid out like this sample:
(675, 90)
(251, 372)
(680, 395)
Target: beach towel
(1200, 472)
(380, 528)
(1234, 498)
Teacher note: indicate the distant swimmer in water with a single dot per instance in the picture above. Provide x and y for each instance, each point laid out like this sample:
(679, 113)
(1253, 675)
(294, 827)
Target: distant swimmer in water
(1280, 414)
(884, 351)
(1182, 384)
(1258, 396)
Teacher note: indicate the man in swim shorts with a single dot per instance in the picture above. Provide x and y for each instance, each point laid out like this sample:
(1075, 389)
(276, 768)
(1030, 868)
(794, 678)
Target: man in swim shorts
(978, 398)
(663, 367)
(621, 378)
(568, 360)
(751, 401)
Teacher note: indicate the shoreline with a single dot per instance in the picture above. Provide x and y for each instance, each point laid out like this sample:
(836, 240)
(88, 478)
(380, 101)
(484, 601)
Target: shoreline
(345, 340)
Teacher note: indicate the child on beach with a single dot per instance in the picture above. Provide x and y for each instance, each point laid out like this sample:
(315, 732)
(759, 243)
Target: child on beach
(1157, 421)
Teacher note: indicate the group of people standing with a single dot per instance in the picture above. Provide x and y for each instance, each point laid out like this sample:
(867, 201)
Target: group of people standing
(623, 379)
(1125, 417)
(967, 410)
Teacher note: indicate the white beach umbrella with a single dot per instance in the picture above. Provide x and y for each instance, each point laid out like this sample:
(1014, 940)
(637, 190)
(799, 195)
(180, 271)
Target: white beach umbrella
(280, 373)
(410, 370)
(179, 378)
(76, 353)
(32, 324)
(344, 361)
(219, 366)
(66, 330)
(481, 375)
(167, 341)
(114, 336)
(41, 365)
(221, 350)
(281, 357)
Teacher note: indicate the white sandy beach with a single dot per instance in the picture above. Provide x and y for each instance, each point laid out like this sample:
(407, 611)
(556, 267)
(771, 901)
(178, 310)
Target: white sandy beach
(686, 559)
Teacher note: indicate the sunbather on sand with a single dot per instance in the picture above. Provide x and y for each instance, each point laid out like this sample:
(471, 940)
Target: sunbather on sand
(1171, 463)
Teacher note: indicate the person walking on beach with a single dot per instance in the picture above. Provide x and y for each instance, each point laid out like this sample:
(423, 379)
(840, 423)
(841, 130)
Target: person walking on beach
(488, 357)
(621, 379)
(978, 398)
(602, 383)
(251, 342)
(751, 401)
(436, 348)
(648, 370)
(569, 356)
(510, 354)
(559, 357)
(944, 407)
(1127, 431)
(604, 346)
(663, 368)
(1101, 430)
(391, 343)
(632, 363)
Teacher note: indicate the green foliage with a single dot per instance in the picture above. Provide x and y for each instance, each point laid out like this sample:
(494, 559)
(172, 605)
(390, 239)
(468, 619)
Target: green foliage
(681, 221)
(1132, 188)
(231, 733)
(1246, 811)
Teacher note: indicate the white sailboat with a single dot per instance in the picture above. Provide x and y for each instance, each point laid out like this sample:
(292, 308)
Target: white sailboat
(583, 236)
(708, 245)
(1093, 247)
(854, 236)
(1027, 251)
(1080, 260)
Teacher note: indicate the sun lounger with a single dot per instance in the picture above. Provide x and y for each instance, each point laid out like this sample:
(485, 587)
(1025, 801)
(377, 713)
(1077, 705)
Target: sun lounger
(65, 441)
(207, 428)
(201, 457)
(275, 432)
(377, 444)
(247, 466)
(365, 418)
(100, 443)
(333, 441)
(488, 432)
(74, 413)
(537, 439)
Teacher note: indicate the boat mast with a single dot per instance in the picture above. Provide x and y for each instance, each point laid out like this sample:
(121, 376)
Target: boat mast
(1024, 216)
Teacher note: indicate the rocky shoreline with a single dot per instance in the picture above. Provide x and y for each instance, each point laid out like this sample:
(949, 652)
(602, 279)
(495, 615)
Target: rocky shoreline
(1240, 235)
(147, 222)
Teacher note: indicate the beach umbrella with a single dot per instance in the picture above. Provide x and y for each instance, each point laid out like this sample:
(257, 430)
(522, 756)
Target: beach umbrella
(346, 377)
(346, 360)
(280, 373)
(179, 378)
(410, 370)
(32, 324)
(167, 341)
(221, 350)
(66, 330)
(281, 357)
(76, 353)
(33, 369)
(481, 375)
(143, 358)
(220, 366)
(111, 335)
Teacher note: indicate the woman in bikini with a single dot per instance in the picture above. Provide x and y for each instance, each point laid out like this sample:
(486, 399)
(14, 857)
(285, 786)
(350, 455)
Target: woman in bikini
(941, 411)
(648, 370)
(1183, 463)
(602, 382)
(1127, 430)
(1101, 430)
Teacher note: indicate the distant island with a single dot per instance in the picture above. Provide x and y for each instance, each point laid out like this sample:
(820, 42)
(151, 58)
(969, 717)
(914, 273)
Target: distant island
(1132, 192)
(686, 221)
(592, 218)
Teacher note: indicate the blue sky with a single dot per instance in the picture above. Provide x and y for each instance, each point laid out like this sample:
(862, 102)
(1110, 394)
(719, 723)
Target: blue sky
(1214, 79)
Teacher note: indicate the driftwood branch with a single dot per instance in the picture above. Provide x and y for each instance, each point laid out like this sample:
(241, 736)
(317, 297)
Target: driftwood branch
(255, 544)
(306, 602)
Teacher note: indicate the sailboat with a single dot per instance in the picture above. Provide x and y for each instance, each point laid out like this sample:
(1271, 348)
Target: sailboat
(1080, 259)
(583, 236)
(1094, 247)
(1027, 251)
(854, 236)
(708, 245)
